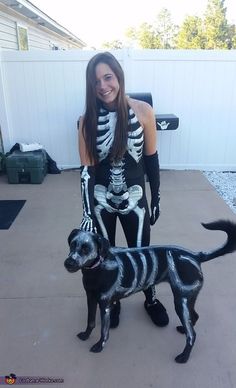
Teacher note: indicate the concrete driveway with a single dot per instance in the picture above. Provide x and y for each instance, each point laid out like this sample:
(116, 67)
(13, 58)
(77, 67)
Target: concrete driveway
(43, 307)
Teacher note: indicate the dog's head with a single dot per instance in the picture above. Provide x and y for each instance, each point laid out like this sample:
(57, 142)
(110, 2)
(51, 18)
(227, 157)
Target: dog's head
(86, 248)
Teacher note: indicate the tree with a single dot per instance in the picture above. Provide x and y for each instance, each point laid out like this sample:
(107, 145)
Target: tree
(165, 29)
(216, 28)
(147, 37)
(113, 44)
(191, 34)
(232, 34)
(144, 36)
(231, 39)
(211, 32)
(159, 35)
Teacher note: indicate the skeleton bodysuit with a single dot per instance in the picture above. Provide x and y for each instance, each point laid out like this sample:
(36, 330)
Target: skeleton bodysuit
(119, 187)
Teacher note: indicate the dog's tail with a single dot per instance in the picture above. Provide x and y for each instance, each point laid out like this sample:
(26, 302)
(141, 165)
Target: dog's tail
(229, 246)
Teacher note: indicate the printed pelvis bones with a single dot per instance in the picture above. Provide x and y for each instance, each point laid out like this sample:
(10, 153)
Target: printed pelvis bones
(119, 198)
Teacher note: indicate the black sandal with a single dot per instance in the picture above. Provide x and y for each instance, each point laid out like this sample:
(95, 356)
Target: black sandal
(157, 313)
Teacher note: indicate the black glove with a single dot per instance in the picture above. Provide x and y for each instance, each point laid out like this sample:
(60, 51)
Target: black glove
(153, 173)
(87, 193)
(155, 210)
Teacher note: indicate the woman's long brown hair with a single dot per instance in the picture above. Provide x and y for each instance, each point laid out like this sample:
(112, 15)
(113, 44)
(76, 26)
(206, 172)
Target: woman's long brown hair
(93, 105)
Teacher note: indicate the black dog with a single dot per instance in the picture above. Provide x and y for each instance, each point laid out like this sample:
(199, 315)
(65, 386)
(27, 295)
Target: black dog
(110, 274)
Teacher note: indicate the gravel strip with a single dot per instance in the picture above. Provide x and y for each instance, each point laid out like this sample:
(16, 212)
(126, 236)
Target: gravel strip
(225, 185)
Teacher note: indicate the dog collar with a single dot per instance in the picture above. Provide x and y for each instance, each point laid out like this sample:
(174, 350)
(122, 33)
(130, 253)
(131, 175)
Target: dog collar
(98, 261)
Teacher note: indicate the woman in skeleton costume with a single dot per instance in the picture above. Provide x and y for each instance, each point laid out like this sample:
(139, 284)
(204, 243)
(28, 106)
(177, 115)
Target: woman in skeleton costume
(117, 145)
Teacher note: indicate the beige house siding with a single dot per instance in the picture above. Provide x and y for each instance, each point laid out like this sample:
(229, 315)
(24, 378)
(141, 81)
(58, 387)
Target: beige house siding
(38, 36)
(8, 32)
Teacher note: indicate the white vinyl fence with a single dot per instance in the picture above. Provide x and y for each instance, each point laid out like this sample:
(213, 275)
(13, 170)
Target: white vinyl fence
(42, 95)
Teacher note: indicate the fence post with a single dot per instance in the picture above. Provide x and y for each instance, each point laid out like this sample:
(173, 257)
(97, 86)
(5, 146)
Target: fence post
(4, 126)
(126, 60)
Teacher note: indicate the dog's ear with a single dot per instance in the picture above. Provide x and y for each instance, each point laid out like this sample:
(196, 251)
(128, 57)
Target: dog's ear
(72, 235)
(103, 246)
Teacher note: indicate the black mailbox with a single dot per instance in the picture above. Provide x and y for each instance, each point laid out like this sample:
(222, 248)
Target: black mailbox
(164, 122)
(167, 122)
(147, 97)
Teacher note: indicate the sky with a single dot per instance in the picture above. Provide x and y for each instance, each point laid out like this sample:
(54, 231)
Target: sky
(96, 22)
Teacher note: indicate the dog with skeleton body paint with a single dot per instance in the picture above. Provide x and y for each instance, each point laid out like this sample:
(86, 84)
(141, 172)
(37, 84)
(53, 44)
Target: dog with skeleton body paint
(110, 274)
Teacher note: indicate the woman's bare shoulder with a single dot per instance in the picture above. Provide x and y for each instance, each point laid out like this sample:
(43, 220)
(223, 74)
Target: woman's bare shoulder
(142, 109)
(80, 122)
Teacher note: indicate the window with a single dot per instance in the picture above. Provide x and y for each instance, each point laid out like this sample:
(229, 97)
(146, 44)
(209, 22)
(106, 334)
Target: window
(22, 33)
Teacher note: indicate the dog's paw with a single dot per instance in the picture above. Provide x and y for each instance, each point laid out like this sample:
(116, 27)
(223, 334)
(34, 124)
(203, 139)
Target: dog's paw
(97, 348)
(181, 358)
(180, 329)
(84, 335)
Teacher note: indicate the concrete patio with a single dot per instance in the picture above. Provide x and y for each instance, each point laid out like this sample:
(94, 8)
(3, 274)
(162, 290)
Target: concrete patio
(43, 307)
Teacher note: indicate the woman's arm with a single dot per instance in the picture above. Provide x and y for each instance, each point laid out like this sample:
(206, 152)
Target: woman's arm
(150, 130)
(146, 117)
(87, 175)
(83, 153)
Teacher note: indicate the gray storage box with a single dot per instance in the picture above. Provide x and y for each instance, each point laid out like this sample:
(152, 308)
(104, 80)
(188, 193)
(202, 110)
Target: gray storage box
(26, 167)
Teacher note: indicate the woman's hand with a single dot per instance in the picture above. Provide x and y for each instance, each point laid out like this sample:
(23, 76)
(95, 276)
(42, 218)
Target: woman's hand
(155, 209)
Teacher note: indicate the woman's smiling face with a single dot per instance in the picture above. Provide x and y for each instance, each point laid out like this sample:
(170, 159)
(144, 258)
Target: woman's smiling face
(107, 85)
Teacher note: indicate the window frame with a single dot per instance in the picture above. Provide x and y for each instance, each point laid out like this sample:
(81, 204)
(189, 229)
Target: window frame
(22, 46)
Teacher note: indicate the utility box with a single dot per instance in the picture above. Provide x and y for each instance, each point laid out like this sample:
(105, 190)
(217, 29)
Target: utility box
(26, 167)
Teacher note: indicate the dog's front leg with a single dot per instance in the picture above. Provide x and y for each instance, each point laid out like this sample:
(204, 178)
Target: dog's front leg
(105, 326)
(92, 308)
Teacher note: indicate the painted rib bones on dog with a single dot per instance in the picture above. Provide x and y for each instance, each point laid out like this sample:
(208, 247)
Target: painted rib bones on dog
(110, 274)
